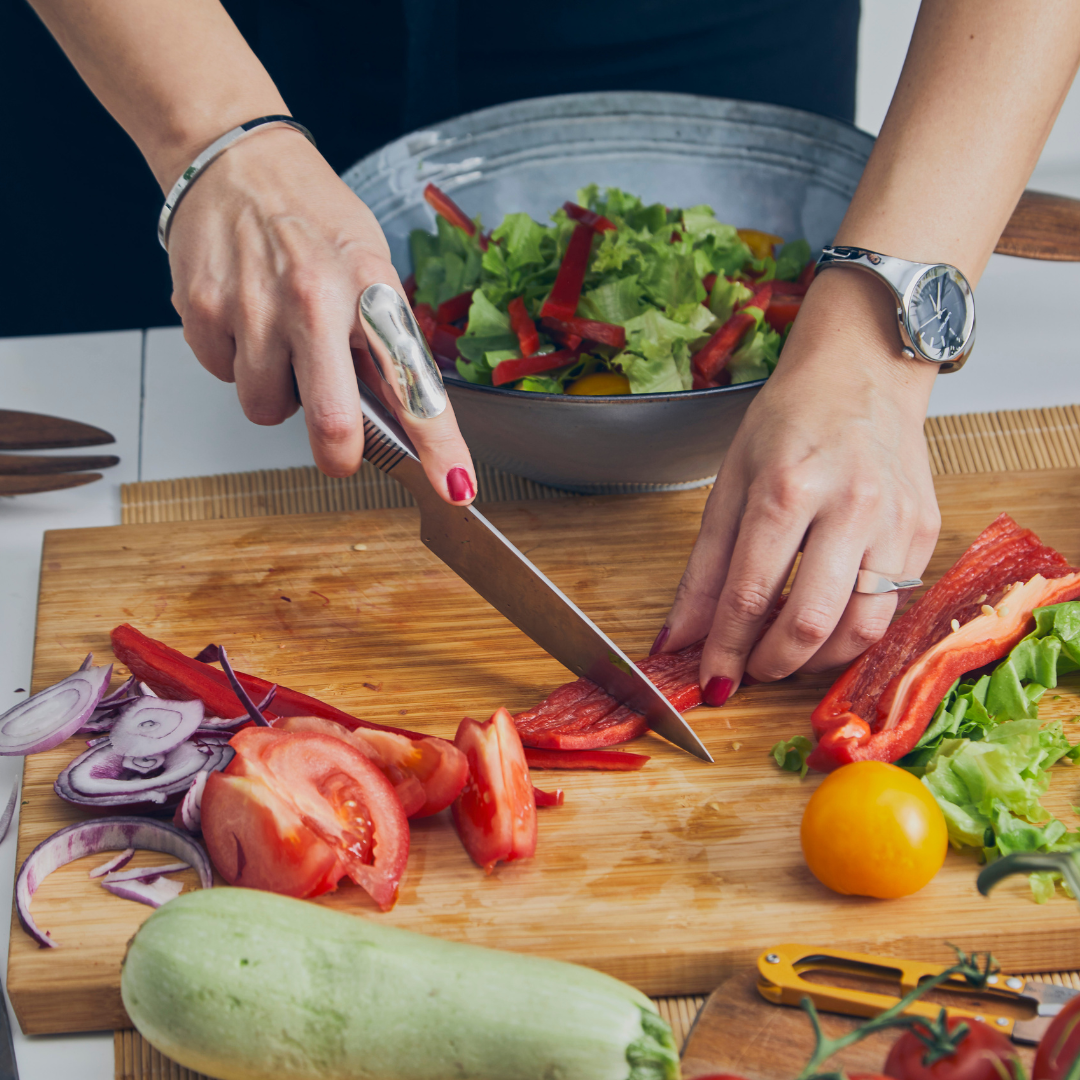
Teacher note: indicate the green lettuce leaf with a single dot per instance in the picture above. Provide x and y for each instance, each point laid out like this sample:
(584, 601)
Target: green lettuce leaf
(656, 359)
(485, 319)
(791, 754)
(793, 257)
(616, 301)
(725, 295)
(446, 264)
(756, 357)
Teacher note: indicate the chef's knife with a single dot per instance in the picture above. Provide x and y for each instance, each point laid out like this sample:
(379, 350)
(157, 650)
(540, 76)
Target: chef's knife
(475, 550)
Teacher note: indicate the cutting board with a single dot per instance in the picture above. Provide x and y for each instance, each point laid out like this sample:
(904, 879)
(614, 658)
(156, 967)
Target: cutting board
(672, 878)
(739, 1033)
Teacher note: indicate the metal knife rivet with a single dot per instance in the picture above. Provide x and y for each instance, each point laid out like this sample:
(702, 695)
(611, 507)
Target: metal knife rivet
(1014, 983)
(991, 980)
(1003, 1021)
(772, 958)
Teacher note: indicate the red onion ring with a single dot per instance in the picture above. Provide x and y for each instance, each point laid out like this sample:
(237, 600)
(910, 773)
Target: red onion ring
(91, 838)
(151, 726)
(55, 713)
(114, 863)
(153, 891)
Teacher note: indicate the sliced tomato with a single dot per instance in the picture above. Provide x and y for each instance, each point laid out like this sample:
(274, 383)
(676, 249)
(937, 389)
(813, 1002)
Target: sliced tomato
(257, 840)
(495, 814)
(428, 774)
(334, 791)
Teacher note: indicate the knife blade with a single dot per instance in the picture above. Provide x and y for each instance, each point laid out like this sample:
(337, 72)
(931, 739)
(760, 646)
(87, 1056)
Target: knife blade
(487, 561)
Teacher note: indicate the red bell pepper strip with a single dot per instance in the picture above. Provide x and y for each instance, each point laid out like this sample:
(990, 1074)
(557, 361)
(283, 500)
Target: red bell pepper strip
(879, 708)
(561, 337)
(781, 311)
(709, 360)
(425, 318)
(171, 674)
(507, 371)
(548, 798)
(603, 760)
(445, 207)
(807, 274)
(760, 298)
(523, 326)
(457, 307)
(709, 281)
(581, 716)
(601, 333)
(566, 292)
(596, 222)
(444, 342)
(409, 285)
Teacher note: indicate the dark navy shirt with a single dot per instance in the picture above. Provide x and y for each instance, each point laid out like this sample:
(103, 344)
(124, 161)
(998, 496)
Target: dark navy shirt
(79, 207)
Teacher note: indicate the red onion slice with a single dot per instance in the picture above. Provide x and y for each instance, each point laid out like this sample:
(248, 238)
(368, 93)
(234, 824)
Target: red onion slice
(155, 891)
(97, 777)
(91, 838)
(147, 873)
(152, 726)
(189, 812)
(54, 714)
(9, 812)
(114, 863)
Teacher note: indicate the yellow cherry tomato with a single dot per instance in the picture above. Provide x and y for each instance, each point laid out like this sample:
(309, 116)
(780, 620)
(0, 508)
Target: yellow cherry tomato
(873, 829)
(600, 383)
(759, 243)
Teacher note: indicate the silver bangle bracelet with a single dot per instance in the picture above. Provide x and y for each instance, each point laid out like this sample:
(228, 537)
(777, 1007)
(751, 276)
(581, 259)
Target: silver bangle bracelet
(214, 150)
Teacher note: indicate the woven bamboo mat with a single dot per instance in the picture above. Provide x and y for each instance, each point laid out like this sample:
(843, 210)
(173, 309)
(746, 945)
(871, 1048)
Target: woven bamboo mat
(972, 443)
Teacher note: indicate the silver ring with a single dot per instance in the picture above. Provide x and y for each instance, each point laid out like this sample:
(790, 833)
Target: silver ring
(873, 582)
(215, 150)
(401, 352)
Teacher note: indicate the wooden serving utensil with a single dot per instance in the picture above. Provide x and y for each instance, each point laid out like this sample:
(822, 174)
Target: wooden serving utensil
(28, 485)
(42, 465)
(35, 431)
(1043, 227)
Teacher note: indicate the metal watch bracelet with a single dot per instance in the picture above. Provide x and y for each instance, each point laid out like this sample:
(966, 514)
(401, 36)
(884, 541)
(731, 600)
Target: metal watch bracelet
(213, 151)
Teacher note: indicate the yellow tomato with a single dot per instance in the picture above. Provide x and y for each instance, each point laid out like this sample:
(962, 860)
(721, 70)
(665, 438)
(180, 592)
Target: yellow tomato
(600, 383)
(873, 829)
(759, 243)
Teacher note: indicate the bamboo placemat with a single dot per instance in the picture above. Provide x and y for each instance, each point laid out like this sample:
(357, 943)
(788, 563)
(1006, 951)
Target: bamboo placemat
(971, 443)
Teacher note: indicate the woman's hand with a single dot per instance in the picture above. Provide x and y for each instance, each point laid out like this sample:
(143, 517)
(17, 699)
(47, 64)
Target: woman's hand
(830, 460)
(270, 252)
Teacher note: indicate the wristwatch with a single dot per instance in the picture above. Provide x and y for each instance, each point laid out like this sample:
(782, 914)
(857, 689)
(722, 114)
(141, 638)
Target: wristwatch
(934, 305)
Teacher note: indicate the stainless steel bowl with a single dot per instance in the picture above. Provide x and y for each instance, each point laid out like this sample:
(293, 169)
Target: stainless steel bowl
(758, 166)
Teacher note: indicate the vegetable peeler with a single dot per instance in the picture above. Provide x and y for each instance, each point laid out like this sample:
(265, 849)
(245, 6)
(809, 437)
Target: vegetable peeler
(860, 984)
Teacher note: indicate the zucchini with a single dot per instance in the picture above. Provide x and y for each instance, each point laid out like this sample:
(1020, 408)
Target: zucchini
(242, 984)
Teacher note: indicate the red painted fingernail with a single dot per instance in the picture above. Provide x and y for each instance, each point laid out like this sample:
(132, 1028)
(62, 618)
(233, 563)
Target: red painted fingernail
(459, 484)
(717, 690)
(658, 644)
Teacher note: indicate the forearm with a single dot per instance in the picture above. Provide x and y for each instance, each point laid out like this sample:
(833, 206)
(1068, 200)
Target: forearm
(174, 75)
(981, 87)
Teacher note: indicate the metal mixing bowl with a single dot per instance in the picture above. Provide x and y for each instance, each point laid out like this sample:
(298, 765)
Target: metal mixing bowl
(758, 166)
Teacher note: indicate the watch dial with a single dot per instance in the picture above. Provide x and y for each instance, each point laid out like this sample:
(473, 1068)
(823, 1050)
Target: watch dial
(939, 313)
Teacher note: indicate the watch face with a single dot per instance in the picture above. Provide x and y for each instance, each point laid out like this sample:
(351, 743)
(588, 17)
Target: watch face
(941, 314)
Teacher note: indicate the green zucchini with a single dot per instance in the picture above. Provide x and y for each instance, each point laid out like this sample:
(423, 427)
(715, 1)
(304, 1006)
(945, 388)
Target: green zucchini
(241, 984)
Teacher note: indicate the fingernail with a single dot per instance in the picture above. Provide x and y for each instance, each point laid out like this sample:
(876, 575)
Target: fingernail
(459, 484)
(717, 691)
(658, 644)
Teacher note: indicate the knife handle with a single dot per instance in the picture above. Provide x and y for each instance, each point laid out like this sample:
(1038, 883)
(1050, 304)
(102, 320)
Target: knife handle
(388, 448)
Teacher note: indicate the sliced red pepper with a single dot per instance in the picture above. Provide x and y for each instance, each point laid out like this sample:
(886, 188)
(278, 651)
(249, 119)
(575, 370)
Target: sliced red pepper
(444, 342)
(601, 333)
(425, 318)
(709, 281)
(596, 222)
(548, 798)
(581, 716)
(409, 285)
(561, 337)
(523, 326)
(781, 311)
(171, 674)
(445, 207)
(457, 307)
(879, 708)
(760, 298)
(708, 362)
(603, 760)
(566, 292)
(507, 371)
(807, 274)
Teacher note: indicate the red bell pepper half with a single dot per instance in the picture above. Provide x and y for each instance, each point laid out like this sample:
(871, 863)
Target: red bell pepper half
(548, 798)
(600, 333)
(171, 674)
(602, 760)
(581, 716)
(566, 292)
(495, 815)
(507, 371)
(445, 207)
(708, 362)
(879, 708)
(596, 222)
(523, 326)
(457, 307)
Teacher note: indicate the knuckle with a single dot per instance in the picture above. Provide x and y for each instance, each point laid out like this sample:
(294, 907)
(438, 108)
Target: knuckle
(811, 626)
(309, 290)
(784, 494)
(204, 305)
(332, 427)
(868, 631)
(864, 495)
(750, 600)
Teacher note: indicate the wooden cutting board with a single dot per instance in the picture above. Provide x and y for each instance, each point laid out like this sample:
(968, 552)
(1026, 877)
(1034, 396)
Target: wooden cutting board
(739, 1033)
(672, 878)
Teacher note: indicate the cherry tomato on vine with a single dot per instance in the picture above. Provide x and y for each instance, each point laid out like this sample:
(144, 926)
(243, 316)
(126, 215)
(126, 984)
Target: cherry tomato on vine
(1060, 1046)
(873, 829)
(982, 1054)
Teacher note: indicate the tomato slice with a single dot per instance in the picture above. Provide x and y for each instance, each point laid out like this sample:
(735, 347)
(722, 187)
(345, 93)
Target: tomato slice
(333, 790)
(428, 774)
(257, 840)
(495, 814)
